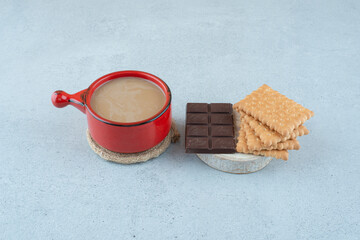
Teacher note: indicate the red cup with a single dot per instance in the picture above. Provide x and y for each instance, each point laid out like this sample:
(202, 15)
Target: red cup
(115, 136)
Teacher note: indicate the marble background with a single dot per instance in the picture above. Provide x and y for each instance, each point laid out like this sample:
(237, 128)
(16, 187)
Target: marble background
(53, 186)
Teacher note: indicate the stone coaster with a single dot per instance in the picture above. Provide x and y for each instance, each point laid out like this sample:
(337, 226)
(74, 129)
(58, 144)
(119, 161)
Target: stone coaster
(129, 158)
(236, 162)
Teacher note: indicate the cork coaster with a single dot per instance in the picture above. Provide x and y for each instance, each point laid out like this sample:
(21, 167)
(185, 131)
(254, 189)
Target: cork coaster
(129, 158)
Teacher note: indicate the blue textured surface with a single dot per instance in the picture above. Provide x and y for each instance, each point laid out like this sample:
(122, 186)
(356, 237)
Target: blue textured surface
(53, 186)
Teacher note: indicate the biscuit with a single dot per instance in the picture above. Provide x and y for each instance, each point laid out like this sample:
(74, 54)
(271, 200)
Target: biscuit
(274, 110)
(254, 143)
(269, 137)
(241, 146)
(279, 154)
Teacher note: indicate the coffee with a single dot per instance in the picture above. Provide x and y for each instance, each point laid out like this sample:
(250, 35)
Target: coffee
(128, 99)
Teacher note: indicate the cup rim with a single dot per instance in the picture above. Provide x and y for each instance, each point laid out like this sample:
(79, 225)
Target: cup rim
(128, 73)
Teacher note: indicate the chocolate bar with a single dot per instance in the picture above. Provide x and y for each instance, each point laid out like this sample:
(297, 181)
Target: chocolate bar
(209, 128)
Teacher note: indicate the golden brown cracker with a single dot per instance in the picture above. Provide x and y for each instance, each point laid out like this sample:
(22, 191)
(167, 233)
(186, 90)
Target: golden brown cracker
(242, 147)
(254, 143)
(279, 154)
(269, 137)
(275, 110)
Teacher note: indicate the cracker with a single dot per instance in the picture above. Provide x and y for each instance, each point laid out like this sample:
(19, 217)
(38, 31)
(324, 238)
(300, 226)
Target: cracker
(279, 154)
(242, 147)
(274, 110)
(269, 137)
(254, 143)
(237, 121)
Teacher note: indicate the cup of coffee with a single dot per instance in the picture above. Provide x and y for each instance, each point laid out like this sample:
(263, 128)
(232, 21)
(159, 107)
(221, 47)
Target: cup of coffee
(127, 111)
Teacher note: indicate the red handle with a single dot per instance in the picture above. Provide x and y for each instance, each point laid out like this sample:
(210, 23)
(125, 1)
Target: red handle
(61, 99)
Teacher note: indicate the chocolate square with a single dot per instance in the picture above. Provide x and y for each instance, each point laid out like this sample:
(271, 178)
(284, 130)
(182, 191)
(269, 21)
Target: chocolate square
(197, 107)
(221, 107)
(222, 130)
(222, 119)
(197, 142)
(197, 131)
(197, 118)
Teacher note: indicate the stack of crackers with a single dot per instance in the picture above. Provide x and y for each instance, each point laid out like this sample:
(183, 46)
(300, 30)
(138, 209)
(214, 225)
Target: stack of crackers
(270, 123)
